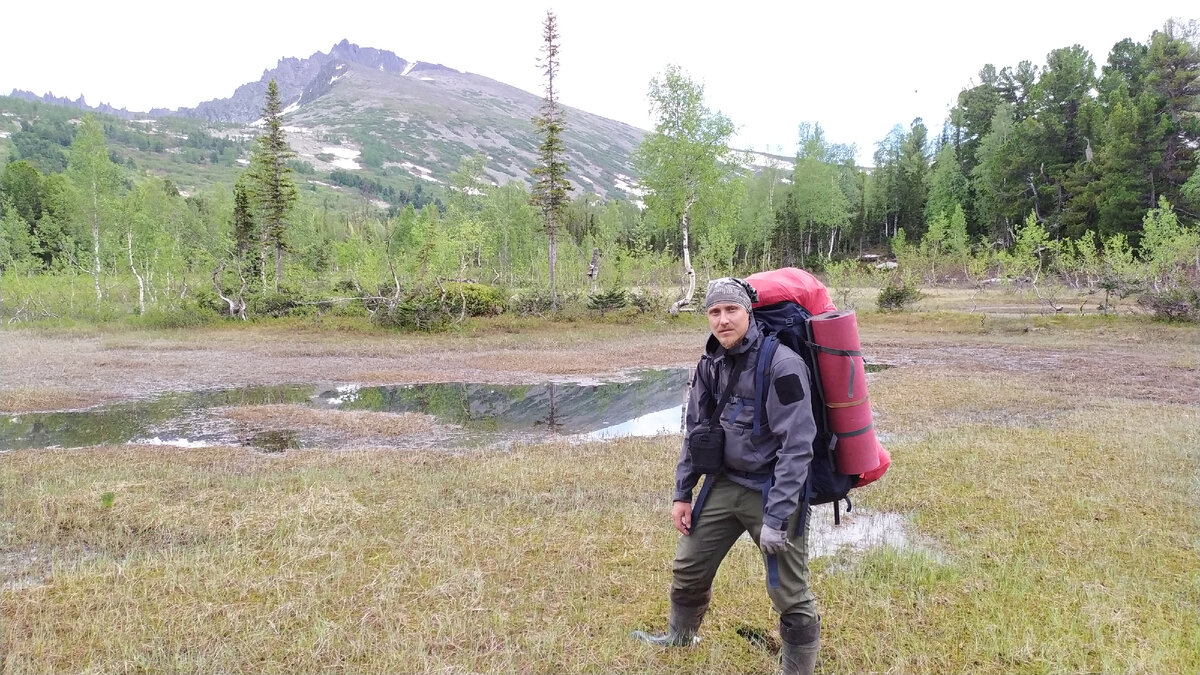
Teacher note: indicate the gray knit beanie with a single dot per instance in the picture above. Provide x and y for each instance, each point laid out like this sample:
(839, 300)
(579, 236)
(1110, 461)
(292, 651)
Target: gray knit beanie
(729, 289)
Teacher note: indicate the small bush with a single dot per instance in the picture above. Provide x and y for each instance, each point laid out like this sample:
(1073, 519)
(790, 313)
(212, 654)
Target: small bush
(898, 296)
(419, 313)
(607, 301)
(1176, 304)
(481, 299)
(647, 302)
(533, 302)
(188, 316)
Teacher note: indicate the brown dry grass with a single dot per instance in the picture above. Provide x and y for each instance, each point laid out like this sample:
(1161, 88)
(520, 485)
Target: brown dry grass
(347, 423)
(1052, 461)
(30, 399)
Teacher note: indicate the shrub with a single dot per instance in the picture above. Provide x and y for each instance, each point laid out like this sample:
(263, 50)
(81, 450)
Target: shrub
(533, 302)
(1176, 304)
(187, 316)
(606, 301)
(418, 313)
(898, 296)
(431, 310)
(480, 299)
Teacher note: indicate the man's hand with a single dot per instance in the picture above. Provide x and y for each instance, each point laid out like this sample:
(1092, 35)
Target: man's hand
(681, 515)
(772, 541)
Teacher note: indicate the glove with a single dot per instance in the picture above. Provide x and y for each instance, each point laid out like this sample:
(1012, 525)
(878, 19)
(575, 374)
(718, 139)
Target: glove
(772, 541)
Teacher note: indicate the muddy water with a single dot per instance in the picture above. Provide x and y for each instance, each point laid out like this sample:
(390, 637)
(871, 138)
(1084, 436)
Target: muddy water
(193, 419)
(647, 403)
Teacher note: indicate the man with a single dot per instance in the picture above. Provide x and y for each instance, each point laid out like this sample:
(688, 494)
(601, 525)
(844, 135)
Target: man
(757, 487)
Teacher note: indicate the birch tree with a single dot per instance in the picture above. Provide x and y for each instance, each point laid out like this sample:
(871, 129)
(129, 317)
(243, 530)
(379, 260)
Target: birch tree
(683, 160)
(94, 177)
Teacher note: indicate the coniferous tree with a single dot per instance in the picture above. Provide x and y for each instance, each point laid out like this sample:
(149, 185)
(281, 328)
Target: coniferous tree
(947, 185)
(911, 179)
(551, 187)
(246, 239)
(274, 188)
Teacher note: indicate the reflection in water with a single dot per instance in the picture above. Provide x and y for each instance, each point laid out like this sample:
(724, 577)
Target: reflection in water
(648, 404)
(187, 419)
(666, 421)
(568, 408)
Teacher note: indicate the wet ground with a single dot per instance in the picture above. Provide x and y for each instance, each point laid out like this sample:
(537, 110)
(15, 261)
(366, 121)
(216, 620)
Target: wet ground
(644, 403)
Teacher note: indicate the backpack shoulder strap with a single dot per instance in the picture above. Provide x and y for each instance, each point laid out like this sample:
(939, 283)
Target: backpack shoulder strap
(766, 355)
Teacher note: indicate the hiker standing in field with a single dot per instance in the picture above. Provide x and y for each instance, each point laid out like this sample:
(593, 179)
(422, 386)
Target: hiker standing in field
(753, 482)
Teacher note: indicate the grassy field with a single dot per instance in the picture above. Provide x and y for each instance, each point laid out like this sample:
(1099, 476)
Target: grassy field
(1047, 465)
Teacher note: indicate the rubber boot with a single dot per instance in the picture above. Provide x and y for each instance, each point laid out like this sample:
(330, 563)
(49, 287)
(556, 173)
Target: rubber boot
(682, 626)
(800, 646)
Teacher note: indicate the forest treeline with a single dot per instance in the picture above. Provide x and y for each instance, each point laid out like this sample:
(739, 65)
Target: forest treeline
(1067, 172)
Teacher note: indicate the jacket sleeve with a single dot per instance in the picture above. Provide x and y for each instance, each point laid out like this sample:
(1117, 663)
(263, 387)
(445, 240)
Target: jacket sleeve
(789, 409)
(699, 400)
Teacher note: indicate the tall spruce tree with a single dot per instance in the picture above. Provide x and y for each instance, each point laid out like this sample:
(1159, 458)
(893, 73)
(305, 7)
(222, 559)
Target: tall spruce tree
(271, 178)
(550, 186)
(246, 239)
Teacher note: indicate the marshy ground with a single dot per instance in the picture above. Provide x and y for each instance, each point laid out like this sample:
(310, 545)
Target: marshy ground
(1044, 481)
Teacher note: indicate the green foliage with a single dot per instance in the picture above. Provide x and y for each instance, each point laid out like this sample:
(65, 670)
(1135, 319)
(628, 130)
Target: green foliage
(898, 295)
(477, 299)
(607, 301)
(301, 167)
(191, 315)
(272, 186)
(285, 301)
(685, 160)
(550, 185)
(437, 308)
(948, 188)
(843, 278)
(1168, 247)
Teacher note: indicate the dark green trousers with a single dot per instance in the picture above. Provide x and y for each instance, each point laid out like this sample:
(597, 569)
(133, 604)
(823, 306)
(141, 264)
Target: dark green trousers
(730, 510)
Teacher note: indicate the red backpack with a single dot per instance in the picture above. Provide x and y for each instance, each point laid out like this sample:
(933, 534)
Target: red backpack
(794, 309)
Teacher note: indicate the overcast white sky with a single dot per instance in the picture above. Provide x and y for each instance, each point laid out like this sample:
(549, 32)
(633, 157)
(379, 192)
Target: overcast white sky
(857, 68)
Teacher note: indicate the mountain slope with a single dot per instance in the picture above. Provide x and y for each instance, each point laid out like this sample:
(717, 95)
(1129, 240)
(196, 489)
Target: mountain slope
(364, 109)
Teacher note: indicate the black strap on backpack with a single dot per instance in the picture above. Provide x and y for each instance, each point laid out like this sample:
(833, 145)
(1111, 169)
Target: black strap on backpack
(715, 421)
(735, 370)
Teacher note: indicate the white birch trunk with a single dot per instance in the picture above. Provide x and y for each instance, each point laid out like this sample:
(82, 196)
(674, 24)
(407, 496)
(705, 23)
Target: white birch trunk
(96, 238)
(686, 300)
(132, 268)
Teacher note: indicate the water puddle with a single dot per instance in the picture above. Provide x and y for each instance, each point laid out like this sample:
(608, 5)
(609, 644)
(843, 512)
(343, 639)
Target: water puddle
(643, 404)
(646, 403)
(859, 531)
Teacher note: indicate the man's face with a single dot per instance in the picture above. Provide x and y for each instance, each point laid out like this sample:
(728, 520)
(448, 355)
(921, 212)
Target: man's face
(729, 322)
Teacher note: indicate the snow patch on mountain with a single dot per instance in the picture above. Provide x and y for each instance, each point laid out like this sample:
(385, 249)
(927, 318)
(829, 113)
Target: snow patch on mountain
(345, 158)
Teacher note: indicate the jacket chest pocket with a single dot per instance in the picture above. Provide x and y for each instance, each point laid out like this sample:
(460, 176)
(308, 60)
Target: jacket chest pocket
(739, 413)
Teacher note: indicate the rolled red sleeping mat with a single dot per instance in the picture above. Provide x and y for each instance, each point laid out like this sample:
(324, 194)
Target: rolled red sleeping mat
(885, 460)
(844, 381)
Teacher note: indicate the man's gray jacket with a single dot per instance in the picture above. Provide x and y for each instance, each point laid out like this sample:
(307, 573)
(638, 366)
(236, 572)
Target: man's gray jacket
(783, 450)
